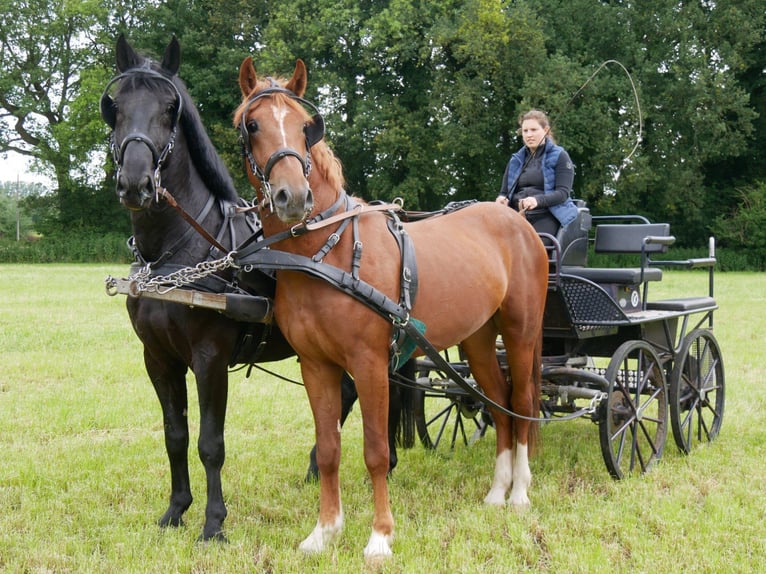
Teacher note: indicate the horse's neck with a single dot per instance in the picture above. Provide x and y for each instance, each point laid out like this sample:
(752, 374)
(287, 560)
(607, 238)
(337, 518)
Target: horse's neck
(161, 229)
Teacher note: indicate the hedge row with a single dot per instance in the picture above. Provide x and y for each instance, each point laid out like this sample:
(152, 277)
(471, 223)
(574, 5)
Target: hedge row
(112, 248)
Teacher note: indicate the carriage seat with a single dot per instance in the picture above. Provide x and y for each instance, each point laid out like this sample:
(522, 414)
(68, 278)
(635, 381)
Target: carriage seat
(640, 238)
(627, 286)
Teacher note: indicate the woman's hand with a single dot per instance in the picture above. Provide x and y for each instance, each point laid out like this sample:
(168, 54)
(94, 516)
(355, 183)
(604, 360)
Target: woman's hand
(502, 200)
(527, 203)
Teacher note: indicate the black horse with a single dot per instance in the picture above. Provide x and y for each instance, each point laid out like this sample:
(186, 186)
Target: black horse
(158, 141)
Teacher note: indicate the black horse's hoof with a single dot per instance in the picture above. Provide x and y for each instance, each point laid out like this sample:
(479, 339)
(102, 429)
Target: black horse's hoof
(217, 537)
(170, 522)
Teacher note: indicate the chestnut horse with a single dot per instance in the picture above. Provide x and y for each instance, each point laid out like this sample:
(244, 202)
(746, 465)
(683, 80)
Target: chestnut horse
(482, 271)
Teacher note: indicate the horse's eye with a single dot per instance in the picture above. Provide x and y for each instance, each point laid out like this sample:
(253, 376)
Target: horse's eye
(252, 126)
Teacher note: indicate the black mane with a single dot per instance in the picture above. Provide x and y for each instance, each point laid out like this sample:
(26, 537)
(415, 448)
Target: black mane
(204, 155)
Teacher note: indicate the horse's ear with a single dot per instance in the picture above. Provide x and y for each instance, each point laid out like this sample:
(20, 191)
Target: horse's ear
(299, 81)
(171, 61)
(126, 56)
(247, 77)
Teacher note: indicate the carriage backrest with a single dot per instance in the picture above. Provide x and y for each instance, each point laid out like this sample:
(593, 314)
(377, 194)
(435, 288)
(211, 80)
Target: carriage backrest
(573, 238)
(631, 238)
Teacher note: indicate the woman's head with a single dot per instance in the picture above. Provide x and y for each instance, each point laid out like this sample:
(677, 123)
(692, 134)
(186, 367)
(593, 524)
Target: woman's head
(533, 127)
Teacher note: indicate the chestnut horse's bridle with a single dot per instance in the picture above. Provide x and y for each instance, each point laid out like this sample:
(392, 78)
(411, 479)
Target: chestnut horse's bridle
(313, 130)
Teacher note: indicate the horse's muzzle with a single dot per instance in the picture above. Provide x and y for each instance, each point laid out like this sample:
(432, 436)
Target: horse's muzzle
(292, 207)
(135, 195)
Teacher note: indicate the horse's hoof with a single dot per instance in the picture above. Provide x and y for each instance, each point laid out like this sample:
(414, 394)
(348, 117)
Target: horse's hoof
(378, 547)
(170, 522)
(321, 537)
(520, 504)
(496, 497)
(217, 537)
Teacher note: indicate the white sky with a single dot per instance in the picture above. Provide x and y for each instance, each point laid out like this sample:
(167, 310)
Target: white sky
(14, 166)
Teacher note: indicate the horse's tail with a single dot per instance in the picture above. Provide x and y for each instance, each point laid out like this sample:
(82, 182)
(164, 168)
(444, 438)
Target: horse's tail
(537, 377)
(405, 429)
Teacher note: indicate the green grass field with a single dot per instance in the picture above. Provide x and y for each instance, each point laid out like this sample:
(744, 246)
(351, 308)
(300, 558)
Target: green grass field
(84, 475)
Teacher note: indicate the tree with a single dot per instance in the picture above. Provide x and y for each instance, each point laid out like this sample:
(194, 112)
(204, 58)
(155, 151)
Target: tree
(14, 216)
(416, 93)
(48, 52)
(685, 57)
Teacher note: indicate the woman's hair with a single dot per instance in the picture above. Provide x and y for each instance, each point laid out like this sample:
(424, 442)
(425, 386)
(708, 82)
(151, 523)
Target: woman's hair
(541, 118)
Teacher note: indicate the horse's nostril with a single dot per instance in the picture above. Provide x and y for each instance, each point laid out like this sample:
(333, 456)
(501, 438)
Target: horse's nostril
(309, 200)
(281, 197)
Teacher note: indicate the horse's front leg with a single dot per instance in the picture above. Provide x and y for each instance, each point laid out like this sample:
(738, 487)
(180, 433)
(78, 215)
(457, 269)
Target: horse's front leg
(212, 388)
(321, 381)
(169, 381)
(372, 386)
(348, 398)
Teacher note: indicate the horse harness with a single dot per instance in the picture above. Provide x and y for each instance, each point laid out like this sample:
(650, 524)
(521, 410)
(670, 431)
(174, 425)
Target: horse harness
(256, 255)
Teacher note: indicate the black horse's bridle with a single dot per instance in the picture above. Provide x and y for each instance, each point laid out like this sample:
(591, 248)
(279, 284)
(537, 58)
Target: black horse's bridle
(108, 114)
(313, 131)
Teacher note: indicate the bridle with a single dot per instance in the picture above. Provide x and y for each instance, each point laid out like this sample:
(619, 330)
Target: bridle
(313, 131)
(108, 115)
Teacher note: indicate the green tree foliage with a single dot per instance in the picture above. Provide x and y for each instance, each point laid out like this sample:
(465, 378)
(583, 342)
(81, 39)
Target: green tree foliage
(745, 225)
(421, 98)
(14, 214)
(686, 57)
(47, 78)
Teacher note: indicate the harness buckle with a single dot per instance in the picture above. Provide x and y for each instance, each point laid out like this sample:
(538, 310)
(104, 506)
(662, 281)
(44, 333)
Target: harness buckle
(400, 322)
(297, 229)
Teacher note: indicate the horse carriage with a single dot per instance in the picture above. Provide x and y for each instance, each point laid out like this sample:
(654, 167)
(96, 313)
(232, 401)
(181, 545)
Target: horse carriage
(360, 287)
(634, 365)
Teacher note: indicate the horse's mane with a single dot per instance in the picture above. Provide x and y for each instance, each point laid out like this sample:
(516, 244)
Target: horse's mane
(204, 156)
(322, 157)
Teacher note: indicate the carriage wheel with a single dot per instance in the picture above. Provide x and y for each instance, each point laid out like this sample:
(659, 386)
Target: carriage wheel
(697, 390)
(444, 411)
(633, 422)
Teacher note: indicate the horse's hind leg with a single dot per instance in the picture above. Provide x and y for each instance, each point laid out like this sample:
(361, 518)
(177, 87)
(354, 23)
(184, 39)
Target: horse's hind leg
(482, 358)
(169, 383)
(522, 359)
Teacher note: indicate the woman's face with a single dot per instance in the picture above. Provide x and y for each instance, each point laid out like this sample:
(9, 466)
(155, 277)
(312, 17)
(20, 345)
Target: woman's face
(532, 133)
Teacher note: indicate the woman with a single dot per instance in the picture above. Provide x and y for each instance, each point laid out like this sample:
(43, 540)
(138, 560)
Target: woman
(538, 178)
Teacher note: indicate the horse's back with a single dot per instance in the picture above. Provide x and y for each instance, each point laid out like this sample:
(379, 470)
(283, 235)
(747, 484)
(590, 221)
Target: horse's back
(473, 262)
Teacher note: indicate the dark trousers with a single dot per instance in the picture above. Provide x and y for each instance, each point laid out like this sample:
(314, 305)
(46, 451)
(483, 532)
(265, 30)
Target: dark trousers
(543, 221)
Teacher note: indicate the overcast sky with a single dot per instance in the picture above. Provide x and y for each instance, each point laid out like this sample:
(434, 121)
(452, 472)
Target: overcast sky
(14, 166)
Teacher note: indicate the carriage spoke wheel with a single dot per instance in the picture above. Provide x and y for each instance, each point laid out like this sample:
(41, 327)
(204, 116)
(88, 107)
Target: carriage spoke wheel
(633, 422)
(697, 391)
(446, 413)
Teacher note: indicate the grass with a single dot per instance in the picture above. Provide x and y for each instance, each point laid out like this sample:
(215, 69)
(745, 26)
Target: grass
(84, 475)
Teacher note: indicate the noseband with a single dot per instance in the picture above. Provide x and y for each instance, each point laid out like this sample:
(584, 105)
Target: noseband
(313, 131)
(118, 151)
